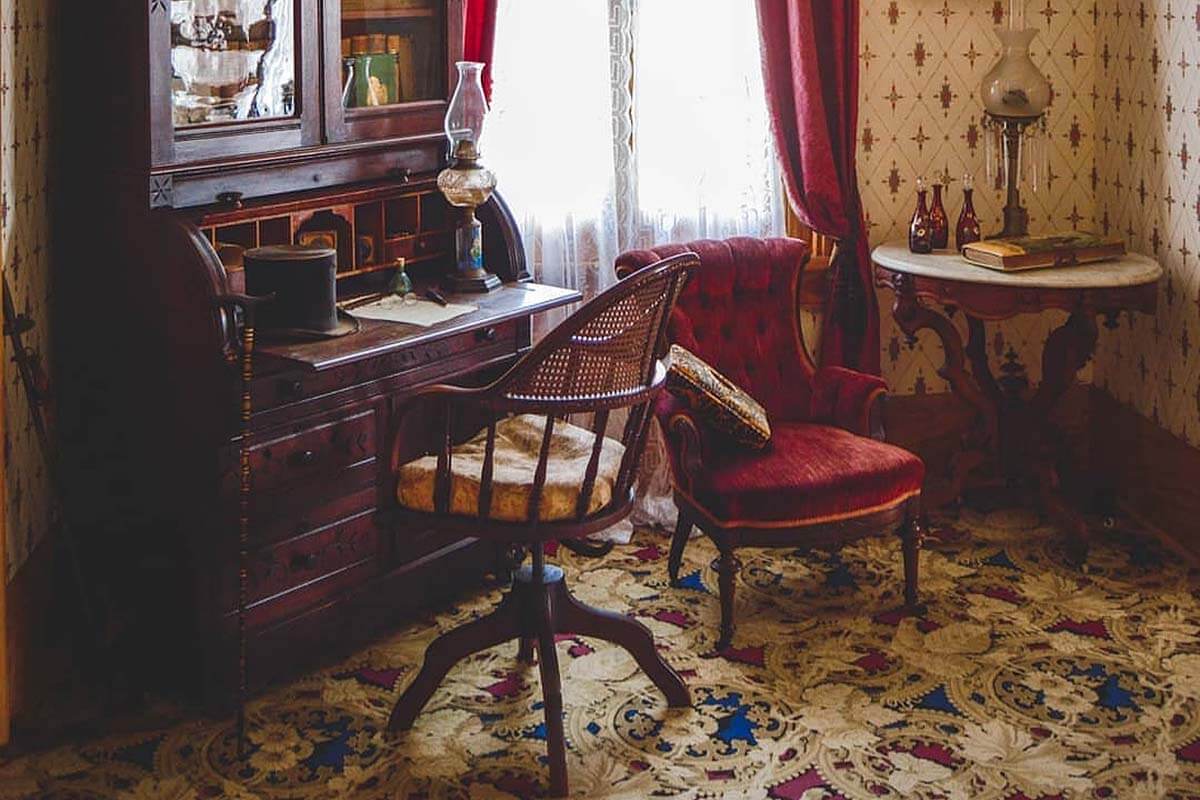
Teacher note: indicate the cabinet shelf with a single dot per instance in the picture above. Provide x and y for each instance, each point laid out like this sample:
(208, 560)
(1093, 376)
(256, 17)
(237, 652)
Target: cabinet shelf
(369, 15)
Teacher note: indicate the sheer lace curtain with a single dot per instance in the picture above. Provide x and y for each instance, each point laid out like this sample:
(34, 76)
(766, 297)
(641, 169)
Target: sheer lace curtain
(706, 166)
(621, 124)
(550, 136)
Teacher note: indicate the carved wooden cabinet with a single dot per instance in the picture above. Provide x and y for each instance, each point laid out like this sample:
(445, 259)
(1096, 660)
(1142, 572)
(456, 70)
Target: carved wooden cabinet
(203, 128)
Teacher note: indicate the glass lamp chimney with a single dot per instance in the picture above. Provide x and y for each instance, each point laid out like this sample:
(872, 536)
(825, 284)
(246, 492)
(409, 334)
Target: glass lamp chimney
(468, 108)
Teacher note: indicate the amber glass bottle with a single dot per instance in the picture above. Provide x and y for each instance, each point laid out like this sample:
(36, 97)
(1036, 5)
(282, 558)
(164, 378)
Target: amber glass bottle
(967, 230)
(939, 222)
(920, 239)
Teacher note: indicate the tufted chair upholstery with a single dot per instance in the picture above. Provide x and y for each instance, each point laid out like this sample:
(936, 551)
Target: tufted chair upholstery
(737, 312)
(826, 476)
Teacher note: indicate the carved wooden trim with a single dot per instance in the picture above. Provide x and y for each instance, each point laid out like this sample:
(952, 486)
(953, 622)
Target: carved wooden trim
(162, 191)
(988, 302)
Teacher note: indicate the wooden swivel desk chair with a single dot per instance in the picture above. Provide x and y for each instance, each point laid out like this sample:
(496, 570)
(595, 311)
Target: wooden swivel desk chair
(530, 477)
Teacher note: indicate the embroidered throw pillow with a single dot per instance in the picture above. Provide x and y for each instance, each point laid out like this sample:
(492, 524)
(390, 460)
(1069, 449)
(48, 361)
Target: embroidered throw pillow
(716, 400)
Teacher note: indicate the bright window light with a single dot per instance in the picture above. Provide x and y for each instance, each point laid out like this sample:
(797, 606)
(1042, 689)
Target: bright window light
(549, 136)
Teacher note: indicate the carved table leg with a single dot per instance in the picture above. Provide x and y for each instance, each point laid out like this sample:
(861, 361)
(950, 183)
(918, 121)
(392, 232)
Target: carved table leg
(913, 317)
(1067, 350)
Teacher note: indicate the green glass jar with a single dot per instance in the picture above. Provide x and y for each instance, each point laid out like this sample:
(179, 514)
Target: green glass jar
(401, 284)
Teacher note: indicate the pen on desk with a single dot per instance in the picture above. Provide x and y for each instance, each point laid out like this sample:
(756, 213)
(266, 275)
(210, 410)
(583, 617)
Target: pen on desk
(436, 296)
(362, 300)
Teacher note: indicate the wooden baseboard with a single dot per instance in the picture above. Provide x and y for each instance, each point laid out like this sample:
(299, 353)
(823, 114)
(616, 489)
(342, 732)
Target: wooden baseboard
(1155, 476)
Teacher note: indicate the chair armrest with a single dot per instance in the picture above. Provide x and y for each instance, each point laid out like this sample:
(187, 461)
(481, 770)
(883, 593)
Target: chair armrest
(685, 439)
(437, 396)
(848, 399)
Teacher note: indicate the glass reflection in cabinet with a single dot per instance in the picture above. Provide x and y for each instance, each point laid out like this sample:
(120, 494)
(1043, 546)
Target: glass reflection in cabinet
(393, 51)
(232, 60)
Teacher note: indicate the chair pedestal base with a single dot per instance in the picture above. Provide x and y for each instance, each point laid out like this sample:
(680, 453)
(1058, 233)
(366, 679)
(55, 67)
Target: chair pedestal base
(533, 612)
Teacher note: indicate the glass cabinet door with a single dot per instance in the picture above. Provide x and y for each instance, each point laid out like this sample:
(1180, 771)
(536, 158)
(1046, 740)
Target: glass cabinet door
(390, 63)
(233, 77)
(232, 61)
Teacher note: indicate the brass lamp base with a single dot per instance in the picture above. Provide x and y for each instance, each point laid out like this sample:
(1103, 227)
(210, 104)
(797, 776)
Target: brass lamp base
(481, 281)
(1016, 216)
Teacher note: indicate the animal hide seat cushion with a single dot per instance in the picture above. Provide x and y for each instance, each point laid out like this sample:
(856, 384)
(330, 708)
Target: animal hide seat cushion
(518, 444)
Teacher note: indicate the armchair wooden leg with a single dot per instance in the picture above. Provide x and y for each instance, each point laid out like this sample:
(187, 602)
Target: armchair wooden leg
(447, 650)
(727, 569)
(683, 529)
(912, 536)
(556, 743)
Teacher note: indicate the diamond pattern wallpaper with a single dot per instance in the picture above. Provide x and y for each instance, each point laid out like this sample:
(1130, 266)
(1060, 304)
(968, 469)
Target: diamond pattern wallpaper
(1148, 190)
(922, 62)
(25, 250)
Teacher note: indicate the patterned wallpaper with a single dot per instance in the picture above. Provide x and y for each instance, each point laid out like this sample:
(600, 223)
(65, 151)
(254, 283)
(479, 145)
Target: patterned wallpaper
(24, 247)
(1148, 140)
(922, 64)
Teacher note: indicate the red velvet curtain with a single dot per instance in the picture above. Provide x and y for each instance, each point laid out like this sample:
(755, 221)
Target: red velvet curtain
(479, 37)
(810, 68)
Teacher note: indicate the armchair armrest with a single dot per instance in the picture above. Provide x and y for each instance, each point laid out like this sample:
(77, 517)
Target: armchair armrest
(848, 399)
(685, 437)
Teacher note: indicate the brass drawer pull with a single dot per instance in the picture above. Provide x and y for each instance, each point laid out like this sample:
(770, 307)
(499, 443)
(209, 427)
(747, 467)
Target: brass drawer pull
(302, 561)
(291, 388)
(304, 458)
(486, 334)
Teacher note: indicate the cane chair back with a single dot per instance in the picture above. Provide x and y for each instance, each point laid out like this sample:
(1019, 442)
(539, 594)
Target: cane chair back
(605, 357)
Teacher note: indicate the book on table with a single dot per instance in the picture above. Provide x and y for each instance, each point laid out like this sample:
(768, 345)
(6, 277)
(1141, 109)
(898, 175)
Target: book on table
(1035, 252)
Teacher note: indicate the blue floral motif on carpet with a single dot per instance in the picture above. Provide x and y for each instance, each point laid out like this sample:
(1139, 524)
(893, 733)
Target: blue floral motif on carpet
(1024, 679)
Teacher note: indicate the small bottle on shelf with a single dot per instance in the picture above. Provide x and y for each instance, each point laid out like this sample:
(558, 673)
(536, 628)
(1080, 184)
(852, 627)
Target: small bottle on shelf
(967, 230)
(939, 222)
(920, 239)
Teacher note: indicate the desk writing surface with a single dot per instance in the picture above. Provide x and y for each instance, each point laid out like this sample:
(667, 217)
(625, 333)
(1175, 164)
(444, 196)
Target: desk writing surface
(1131, 269)
(374, 338)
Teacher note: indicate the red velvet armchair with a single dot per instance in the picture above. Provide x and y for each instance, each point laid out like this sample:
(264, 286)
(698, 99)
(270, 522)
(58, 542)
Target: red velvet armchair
(826, 477)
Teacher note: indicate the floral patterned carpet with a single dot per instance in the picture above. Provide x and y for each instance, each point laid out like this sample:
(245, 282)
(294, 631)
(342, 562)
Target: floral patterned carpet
(1024, 680)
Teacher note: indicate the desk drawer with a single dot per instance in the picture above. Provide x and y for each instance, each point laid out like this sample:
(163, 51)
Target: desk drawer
(273, 391)
(313, 453)
(277, 570)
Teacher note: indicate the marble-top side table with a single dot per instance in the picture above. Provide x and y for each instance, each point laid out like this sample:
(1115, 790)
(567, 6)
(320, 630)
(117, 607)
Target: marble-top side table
(1013, 438)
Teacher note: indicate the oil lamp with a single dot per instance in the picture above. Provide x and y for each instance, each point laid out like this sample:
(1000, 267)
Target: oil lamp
(1015, 97)
(466, 183)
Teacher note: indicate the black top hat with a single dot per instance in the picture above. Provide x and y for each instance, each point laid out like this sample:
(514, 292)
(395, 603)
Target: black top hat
(304, 282)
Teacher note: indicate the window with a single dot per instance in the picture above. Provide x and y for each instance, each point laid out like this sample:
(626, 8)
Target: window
(624, 123)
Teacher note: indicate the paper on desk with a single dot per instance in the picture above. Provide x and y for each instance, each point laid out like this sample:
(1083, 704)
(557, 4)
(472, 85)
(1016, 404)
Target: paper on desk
(423, 312)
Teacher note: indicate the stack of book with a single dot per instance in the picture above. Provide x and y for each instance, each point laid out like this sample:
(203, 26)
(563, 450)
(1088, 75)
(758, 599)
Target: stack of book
(1036, 252)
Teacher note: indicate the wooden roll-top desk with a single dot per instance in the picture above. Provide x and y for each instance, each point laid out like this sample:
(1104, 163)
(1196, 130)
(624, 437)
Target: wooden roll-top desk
(167, 176)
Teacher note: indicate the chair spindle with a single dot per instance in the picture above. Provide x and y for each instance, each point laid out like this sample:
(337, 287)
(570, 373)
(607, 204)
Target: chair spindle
(489, 463)
(539, 477)
(599, 424)
(635, 427)
(442, 489)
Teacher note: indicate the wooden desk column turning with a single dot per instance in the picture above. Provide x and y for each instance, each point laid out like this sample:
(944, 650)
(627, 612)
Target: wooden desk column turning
(1013, 433)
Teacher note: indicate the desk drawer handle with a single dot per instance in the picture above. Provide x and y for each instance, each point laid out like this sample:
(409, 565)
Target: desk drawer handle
(303, 561)
(291, 388)
(486, 335)
(304, 458)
